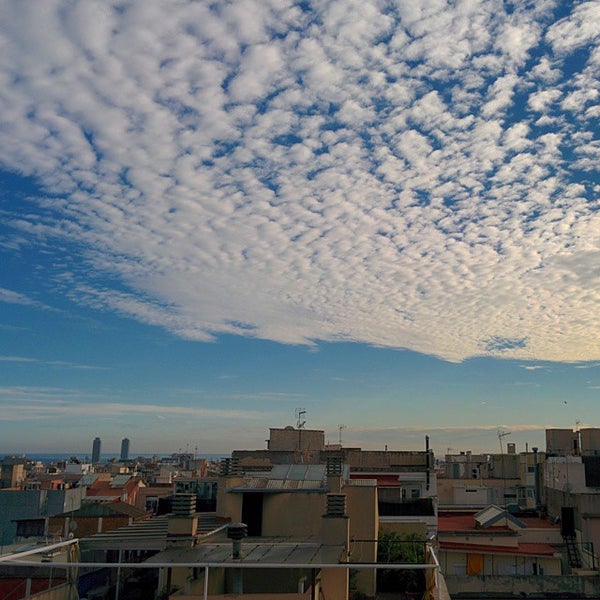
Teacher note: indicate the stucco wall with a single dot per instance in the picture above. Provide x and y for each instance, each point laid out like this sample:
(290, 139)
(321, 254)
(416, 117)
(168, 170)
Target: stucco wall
(294, 514)
(229, 505)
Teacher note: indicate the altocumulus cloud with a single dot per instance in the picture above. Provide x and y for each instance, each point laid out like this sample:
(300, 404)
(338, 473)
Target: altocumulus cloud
(417, 175)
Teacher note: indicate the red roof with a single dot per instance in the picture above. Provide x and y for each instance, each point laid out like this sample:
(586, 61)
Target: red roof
(535, 523)
(465, 523)
(528, 549)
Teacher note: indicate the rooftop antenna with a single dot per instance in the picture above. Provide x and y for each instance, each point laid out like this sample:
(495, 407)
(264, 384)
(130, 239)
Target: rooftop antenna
(340, 428)
(502, 434)
(300, 412)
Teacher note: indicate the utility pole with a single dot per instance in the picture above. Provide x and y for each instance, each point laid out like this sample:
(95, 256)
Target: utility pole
(340, 428)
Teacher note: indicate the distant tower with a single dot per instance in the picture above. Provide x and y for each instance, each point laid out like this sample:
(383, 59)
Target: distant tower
(125, 449)
(96, 450)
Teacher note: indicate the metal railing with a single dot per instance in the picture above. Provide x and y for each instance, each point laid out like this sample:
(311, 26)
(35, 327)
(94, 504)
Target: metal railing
(73, 565)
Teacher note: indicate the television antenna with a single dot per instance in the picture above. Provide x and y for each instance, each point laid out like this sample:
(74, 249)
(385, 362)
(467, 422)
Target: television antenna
(300, 423)
(340, 429)
(502, 434)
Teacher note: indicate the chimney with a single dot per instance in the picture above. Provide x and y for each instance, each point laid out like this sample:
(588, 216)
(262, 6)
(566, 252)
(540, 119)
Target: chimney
(182, 524)
(336, 532)
(536, 479)
(334, 473)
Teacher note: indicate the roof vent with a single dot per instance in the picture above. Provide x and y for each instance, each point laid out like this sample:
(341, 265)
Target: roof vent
(237, 532)
(334, 466)
(336, 505)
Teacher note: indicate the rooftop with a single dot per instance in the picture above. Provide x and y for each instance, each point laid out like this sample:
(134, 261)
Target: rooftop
(264, 550)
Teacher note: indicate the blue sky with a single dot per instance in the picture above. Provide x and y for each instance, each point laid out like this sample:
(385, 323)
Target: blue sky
(215, 213)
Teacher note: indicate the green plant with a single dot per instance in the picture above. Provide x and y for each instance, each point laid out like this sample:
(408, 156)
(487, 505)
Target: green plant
(400, 549)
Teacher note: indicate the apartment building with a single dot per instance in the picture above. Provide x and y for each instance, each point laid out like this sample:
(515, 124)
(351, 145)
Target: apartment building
(571, 493)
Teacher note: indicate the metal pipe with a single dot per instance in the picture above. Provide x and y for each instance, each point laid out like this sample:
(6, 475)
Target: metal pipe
(11, 557)
(232, 565)
(428, 458)
(118, 584)
(536, 479)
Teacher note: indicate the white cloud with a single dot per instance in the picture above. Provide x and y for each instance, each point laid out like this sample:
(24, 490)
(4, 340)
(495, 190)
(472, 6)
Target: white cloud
(12, 297)
(581, 27)
(27, 403)
(354, 173)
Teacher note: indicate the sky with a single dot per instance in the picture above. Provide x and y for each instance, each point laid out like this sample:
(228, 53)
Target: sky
(213, 214)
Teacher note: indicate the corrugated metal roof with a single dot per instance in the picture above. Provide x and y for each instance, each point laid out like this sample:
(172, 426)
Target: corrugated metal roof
(287, 478)
(119, 480)
(270, 552)
(298, 472)
(147, 535)
(88, 479)
(309, 484)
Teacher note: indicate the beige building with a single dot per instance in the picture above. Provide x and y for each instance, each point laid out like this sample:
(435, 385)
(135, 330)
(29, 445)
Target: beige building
(571, 491)
(406, 480)
(477, 480)
(306, 524)
(293, 501)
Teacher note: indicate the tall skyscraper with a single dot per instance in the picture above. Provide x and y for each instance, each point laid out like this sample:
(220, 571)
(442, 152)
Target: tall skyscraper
(125, 449)
(96, 447)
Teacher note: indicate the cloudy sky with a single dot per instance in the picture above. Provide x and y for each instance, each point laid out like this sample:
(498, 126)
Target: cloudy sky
(214, 213)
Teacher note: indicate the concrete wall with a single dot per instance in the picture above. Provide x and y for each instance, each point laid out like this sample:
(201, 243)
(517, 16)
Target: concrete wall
(85, 526)
(229, 505)
(384, 459)
(542, 535)
(361, 505)
(292, 440)
(23, 504)
(565, 474)
(472, 495)
(294, 514)
(560, 441)
(454, 563)
(590, 441)
(588, 586)
(486, 491)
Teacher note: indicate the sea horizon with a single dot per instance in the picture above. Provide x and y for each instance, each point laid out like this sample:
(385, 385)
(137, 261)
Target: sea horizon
(105, 457)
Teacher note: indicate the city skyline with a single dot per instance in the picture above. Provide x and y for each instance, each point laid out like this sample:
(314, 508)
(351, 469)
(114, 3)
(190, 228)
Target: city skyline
(215, 214)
